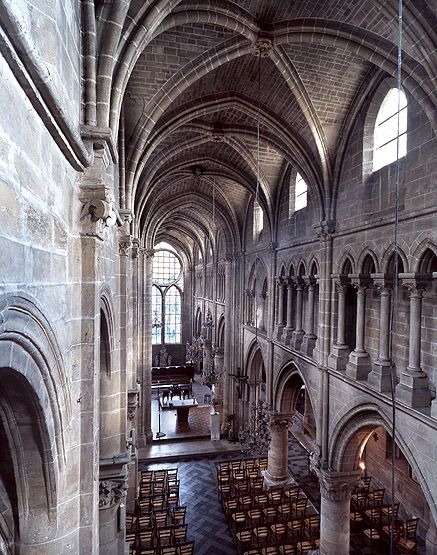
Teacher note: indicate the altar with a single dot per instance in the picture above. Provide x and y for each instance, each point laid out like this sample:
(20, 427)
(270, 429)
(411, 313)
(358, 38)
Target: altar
(182, 407)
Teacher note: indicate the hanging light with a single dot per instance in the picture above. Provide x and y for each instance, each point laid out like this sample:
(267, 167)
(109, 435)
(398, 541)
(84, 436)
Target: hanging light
(194, 350)
(156, 323)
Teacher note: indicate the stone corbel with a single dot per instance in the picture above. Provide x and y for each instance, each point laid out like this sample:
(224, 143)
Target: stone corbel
(111, 492)
(97, 215)
(101, 138)
(124, 244)
(325, 229)
(133, 400)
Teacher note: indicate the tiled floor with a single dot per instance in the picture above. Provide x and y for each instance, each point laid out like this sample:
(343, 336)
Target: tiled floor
(196, 456)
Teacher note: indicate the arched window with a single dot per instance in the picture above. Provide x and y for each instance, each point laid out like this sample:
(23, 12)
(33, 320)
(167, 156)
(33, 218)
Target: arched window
(388, 128)
(301, 193)
(166, 298)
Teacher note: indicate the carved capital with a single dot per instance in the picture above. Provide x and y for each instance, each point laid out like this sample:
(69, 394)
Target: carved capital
(148, 253)
(111, 492)
(416, 284)
(262, 46)
(337, 486)
(124, 244)
(279, 421)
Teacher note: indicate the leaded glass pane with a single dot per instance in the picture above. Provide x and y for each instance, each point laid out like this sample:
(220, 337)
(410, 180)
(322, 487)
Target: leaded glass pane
(166, 268)
(156, 315)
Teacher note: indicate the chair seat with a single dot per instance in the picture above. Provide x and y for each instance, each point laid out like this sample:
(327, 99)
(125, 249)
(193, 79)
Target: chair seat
(372, 534)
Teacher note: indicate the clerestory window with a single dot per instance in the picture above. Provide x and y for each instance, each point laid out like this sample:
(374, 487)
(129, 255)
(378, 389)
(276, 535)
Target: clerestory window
(301, 193)
(390, 136)
(258, 220)
(166, 298)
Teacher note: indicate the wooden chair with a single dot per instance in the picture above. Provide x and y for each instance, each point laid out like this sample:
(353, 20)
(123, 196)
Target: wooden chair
(312, 527)
(288, 549)
(160, 518)
(167, 550)
(186, 548)
(260, 535)
(164, 536)
(269, 514)
(131, 522)
(305, 546)
(144, 521)
(375, 498)
(359, 506)
(295, 529)
(147, 551)
(254, 517)
(256, 485)
(146, 538)
(229, 506)
(180, 533)
(407, 543)
(299, 507)
(278, 531)
(243, 539)
(291, 492)
(238, 519)
(178, 515)
(374, 533)
(270, 550)
(284, 512)
(245, 502)
(362, 486)
(143, 506)
(131, 540)
(261, 500)
(275, 496)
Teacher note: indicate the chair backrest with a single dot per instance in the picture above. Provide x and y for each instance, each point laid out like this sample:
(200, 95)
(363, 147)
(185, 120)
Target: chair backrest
(375, 516)
(180, 533)
(378, 497)
(186, 548)
(178, 515)
(411, 528)
(299, 506)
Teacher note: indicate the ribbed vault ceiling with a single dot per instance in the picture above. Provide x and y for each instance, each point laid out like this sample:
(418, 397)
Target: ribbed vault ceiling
(194, 93)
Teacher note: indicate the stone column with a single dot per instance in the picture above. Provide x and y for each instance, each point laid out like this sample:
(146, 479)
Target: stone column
(358, 366)
(413, 388)
(227, 356)
(298, 333)
(339, 355)
(146, 371)
(335, 489)
(288, 330)
(218, 365)
(280, 324)
(309, 339)
(277, 472)
(379, 377)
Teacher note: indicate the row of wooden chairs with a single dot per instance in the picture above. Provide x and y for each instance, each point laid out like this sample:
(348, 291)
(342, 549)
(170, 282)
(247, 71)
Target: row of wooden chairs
(299, 533)
(405, 533)
(186, 548)
(157, 527)
(296, 548)
(267, 514)
(156, 518)
(243, 464)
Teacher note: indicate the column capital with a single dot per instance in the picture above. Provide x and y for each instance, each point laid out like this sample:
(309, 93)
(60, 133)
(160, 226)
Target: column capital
(310, 281)
(337, 486)
(290, 283)
(147, 253)
(280, 420)
(360, 281)
(279, 280)
(415, 283)
(298, 281)
(124, 244)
